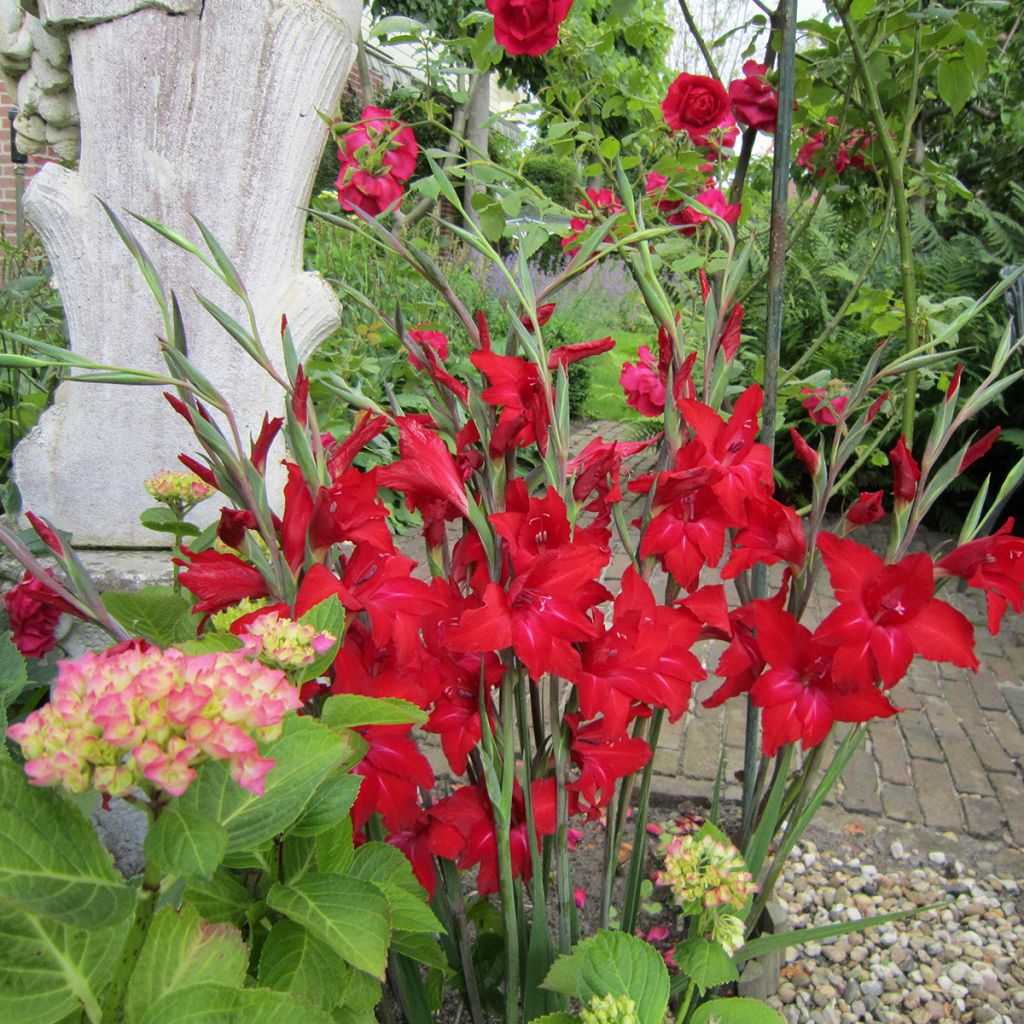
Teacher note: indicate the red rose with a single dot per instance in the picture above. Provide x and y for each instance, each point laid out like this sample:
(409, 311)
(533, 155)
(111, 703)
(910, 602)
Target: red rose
(713, 199)
(754, 101)
(373, 193)
(379, 142)
(528, 27)
(32, 621)
(696, 104)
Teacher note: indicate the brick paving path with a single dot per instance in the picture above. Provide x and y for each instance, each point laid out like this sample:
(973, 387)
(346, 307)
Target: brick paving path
(953, 760)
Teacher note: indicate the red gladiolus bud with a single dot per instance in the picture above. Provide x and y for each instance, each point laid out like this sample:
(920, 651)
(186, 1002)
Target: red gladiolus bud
(731, 334)
(905, 471)
(804, 452)
(46, 534)
(954, 384)
(485, 331)
(203, 472)
(268, 431)
(980, 448)
(705, 287)
(284, 324)
(866, 509)
(233, 524)
(180, 408)
(300, 398)
(875, 406)
(567, 354)
(543, 316)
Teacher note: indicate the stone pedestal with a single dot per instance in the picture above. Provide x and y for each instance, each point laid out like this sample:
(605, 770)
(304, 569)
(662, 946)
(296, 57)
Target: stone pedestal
(188, 107)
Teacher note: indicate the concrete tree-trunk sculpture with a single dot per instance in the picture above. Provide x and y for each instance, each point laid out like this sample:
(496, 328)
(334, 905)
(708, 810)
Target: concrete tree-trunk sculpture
(205, 108)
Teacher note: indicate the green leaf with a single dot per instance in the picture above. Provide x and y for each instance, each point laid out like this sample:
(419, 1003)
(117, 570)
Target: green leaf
(49, 971)
(735, 1011)
(186, 843)
(560, 1017)
(156, 613)
(182, 950)
(609, 147)
(220, 898)
(218, 1004)
(162, 520)
(348, 710)
(955, 83)
(305, 754)
(294, 960)
(861, 8)
(420, 947)
(51, 862)
(329, 805)
(13, 671)
(706, 963)
(782, 940)
(614, 963)
(350, 915)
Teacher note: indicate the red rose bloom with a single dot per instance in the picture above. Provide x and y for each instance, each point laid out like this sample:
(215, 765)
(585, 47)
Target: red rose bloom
(713, 200)
(696, 104)
(528, 27)
(376, 156)
(754, 101)
(32, 621)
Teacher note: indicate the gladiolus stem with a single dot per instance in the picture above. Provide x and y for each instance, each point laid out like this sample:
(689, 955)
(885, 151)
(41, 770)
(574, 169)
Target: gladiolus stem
(637, 855)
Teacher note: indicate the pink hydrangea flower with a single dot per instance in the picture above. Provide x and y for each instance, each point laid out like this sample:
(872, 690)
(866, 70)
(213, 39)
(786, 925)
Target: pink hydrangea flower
(122, 719)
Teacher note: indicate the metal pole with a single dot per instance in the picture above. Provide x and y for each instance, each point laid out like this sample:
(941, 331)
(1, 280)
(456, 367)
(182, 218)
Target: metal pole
(773, 339)
(19, 203)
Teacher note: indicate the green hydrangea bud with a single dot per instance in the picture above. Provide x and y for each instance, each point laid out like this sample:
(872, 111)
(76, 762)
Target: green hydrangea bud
(610, 1009)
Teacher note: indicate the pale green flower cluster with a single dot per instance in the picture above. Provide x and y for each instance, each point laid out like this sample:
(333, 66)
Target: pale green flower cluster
(177, 488)
(707, 872)
(284, 643)
(610, 1009)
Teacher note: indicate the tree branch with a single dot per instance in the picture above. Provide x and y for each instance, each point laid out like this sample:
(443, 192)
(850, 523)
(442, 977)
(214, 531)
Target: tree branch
(699, 40)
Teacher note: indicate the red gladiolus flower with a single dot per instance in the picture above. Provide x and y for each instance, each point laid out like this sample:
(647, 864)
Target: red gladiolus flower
(743, 467)
(261, 446)
(797, 695)
(427, 476)
(643, 387)
(517, 387)
(774, 533)
(697, 105)
(598, 472)
(867, 509)
(528, 27)
(468, 810)
(994, 564)
(234, 522)
(643, 658)
(340, 455)
(33, 620)
(427, 839)
(714, 200)
(543, 613)
(219, 580)
(754, 101)
(436, 340)
(886, 615)
(393, 771)
(602, 760)
(566, 354)
(905, 472)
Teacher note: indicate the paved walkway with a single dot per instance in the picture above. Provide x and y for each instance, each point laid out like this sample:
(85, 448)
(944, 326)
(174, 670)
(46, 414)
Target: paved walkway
(953, 760)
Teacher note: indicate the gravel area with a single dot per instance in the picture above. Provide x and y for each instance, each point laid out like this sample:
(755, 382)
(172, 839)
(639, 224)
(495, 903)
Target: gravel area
(963, 963)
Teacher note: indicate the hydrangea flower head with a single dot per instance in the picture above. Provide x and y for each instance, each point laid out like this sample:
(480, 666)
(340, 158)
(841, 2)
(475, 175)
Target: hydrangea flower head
(706, 871)
(120, 719)
(177, 488)
(284, 643)
(610, 1009)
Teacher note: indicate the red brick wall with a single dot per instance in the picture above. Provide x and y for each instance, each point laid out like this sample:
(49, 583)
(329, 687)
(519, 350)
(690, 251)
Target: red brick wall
(7, 179)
